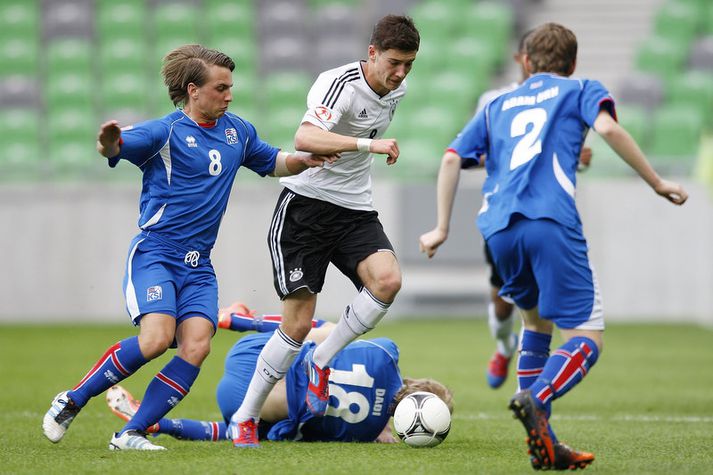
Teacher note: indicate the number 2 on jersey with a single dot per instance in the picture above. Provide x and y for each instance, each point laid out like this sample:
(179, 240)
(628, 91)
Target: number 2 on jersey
(530, 144)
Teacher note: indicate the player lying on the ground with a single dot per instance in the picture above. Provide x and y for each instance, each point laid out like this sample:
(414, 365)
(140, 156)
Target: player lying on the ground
(365, 386)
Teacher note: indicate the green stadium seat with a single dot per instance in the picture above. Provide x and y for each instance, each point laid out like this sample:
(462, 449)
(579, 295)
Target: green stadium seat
(20, 140)
(474, 57)
(69, 89)
(18, 56)
(243, 51)
(230, 19)
(69, 55)
(436, 122)
(176, 19)
(287, 90)
(420, 159)
(662, 56)
(246, 92)
(125, 91)
(636, 121)
(68, 124)
(122, 54)
(490, 21)
(676, 134)
(19, 19)
(694, 89)
(165, 44)
(677, 21)
(116, 18)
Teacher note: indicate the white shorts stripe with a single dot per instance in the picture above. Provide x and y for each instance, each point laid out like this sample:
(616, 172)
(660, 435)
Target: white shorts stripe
(276, 226)
(132, 304)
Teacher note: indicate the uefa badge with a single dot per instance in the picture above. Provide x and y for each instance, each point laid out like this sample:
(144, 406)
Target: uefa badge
(154, 293)
(231, 136)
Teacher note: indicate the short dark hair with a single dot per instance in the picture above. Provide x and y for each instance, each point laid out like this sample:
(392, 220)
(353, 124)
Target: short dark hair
(189, 64)
(395, 32)
(552, 48)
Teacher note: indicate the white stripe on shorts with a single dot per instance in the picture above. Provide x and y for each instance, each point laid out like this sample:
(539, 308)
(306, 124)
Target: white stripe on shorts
(596, 318)
(278, 221)
(132, 304)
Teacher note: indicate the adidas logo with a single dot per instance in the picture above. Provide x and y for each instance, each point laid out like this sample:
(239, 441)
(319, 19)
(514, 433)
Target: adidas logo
(363, 114)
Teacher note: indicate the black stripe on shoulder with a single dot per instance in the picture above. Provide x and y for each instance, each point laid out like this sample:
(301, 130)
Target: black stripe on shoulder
(333, 100)
(335, 84)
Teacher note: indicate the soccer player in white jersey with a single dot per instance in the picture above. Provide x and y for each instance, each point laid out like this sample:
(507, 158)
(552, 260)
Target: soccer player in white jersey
(533, 136)
(189, 159)
(329, 217)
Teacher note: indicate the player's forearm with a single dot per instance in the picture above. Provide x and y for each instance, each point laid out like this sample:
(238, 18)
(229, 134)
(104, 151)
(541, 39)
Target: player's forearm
(310, 138)
(626, 147)
(448, 177)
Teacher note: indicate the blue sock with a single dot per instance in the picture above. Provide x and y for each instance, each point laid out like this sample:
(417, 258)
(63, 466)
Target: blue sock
(534, 351)
(119, 362)
(566, 367)
(165, 390)
(261, 323)
(187, 429)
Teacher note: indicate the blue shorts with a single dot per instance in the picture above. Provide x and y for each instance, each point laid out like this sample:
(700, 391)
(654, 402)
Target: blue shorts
(240, 365)
(545, 265)
(161, 279)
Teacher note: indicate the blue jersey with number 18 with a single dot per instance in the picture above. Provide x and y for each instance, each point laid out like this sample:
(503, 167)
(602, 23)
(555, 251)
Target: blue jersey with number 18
(533, 136)
(188, 172)
(363, 381)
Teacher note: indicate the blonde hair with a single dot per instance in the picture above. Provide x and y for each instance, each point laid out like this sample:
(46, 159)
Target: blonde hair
(189, 64)
(424, 384)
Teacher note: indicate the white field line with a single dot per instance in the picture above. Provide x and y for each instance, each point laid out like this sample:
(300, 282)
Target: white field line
(588, 417)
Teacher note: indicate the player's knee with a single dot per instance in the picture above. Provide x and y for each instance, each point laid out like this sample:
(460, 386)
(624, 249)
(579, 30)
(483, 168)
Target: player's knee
(154, 344)
(194, 351)
(297, 330)
(387, 286)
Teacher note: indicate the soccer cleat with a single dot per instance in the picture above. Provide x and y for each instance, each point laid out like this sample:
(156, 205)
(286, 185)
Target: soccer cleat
(123, 405)
(244, 433)
(60, 414)
(132, 440)
(566, 458)
(236, 307)
(497, 371)
(317, 395)
(535, 422)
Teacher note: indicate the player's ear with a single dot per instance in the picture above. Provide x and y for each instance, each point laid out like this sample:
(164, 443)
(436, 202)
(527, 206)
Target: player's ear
(372, 53)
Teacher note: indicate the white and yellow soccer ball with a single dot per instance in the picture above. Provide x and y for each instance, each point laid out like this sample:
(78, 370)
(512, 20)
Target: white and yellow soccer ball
(422, 419)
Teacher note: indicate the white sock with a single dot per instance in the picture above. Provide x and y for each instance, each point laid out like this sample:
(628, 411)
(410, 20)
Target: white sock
(272, 364)
(359, 317)
(502, 332)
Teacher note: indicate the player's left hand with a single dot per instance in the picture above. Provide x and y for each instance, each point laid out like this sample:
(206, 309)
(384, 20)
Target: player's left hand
(585, 159)
(314, 160)
(386, 436)
(671, 191)
(429, 242)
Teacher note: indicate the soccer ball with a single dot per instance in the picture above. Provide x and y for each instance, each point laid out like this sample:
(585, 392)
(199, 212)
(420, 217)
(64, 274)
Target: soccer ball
(422, 419)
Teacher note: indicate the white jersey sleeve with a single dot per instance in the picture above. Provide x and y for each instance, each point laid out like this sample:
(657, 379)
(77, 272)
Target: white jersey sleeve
(330, 98)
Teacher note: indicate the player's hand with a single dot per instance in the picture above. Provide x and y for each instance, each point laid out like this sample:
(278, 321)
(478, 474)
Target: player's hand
(388, 147)
(429, 242)
(313, 160)
(671, 191)
(585, 159)
(108, 139)
(386, 436)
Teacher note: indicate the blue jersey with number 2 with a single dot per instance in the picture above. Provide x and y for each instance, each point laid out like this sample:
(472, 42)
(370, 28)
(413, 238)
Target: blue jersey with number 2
(533, 136)
(363, 381)
(188, 172)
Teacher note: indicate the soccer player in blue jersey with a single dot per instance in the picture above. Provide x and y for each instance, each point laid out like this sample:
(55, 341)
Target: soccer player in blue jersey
(189, 159)
(532, 137)
(365, 386)
(329, 218)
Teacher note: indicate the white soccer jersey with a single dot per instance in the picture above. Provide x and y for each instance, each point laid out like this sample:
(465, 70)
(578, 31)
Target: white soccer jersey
(342, 102)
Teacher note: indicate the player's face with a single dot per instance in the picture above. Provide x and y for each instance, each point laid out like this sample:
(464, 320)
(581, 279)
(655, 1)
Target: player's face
(211, 100)
(389, 68)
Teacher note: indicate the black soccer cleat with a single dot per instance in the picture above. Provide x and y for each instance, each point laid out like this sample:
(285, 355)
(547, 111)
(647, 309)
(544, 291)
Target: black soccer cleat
(539, 441)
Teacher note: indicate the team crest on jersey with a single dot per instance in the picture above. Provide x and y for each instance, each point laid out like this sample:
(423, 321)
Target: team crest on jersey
(154, 293)
(231, 136)
(191, 141)
(392, 109)
(296, 274)
(323, 113)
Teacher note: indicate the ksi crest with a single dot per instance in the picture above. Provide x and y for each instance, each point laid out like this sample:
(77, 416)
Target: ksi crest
(154, 293)
(231, 136)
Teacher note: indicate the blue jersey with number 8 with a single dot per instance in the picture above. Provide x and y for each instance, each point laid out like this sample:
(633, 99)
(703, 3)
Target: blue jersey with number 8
(532, 137)
(188, 172)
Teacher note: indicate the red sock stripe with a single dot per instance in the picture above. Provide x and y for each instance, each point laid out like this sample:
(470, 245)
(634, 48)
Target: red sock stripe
(576, 363)
(165, 379)
(272, 318)
(117, 363)
(529, 372)
(214, 430)
(109, 354)
(545, 394)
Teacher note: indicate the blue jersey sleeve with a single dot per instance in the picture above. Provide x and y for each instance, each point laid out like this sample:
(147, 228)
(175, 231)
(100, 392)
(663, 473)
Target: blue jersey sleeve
(594, 98)
(472, 142)
(260, 156)
(142, 141)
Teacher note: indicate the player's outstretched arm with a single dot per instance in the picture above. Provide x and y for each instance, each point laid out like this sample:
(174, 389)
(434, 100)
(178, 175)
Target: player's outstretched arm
(288, 164)
(108, 139)
(310, 138)
(448, 177)
(625, 146)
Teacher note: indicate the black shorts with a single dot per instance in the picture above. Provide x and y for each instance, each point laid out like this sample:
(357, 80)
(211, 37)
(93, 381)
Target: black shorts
(495, 279)
(307, 234)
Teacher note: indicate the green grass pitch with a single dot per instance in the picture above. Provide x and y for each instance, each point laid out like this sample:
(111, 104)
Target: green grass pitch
(647, 407)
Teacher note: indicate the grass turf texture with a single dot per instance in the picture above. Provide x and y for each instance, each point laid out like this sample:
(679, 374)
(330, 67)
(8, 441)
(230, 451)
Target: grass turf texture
(647, 407)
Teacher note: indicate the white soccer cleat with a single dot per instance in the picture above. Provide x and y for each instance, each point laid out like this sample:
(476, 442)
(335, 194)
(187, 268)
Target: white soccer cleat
(57, 419)
(121, 402)
(132, 440)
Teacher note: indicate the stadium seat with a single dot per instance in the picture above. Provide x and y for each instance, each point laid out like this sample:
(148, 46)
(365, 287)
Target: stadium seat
(116, 18)
(247, 92)
(229, 19)
(19, 19)
(69, 55)
(678, 21)
(280, 126)
(287, 90)
(662, 56)
(635, 119)
(20, 140)
(122, 54)
(68, 18)
(125, 91)
(676, 135)
(243, 51)
(69, 89)
(286, 18)
(20, 91)
(176, 19)
(489, 21)
(70, 124)
(701, 57)
(694, 89)
(18, 57)
(641, 89)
